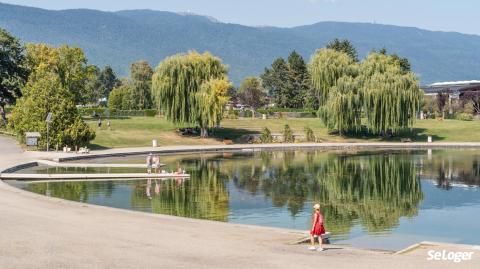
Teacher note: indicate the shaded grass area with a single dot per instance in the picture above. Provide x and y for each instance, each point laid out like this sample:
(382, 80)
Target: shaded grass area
(139, 131)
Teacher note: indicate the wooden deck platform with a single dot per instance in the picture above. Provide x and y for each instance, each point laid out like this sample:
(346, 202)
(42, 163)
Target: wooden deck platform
(111, 176)
(83, 165)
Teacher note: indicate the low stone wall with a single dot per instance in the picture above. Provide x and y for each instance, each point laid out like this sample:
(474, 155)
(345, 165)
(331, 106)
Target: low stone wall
(19, 167)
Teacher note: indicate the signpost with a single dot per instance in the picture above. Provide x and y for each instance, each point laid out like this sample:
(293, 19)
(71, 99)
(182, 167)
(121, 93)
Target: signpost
(48, 120)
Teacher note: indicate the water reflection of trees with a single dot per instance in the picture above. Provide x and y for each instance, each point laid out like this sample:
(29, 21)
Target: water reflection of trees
(204, 196)
(447, 169)
(374, 189)
(75, 190)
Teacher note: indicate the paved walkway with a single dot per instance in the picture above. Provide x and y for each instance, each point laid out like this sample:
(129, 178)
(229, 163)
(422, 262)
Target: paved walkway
(42, 232)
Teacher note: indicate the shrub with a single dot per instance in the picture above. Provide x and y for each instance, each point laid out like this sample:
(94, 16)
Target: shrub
(231, 114)
(150, 112)
(464, 116)
(469, 108)
(266, 136)
(288, 134)
(309, 136)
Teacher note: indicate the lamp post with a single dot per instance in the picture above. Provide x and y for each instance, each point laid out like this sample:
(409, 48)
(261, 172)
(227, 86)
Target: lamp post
(48, 120)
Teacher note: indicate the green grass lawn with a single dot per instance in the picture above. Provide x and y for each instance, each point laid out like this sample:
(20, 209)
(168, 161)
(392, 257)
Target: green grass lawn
(139, 131)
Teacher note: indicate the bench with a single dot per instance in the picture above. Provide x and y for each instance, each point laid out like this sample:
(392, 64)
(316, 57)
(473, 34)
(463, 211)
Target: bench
(84, 150)
(405, 140)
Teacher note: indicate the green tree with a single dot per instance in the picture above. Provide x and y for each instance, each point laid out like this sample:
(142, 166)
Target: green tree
(287, 134)
(309, 135)
(441, 100)
(211, 100)
(92, 87)
(141, 76)
(326, 67)
(177, 80)
(119, 98)
(391, 97)
(342, 111)
(404, 63)
(378, 87)
(266, 136)
(344, 46)
(45, 93)
(289, 82)
(251, 93)
(275, 81)
(13, 72)
(68, 63)
(108, 81)
(298, 81)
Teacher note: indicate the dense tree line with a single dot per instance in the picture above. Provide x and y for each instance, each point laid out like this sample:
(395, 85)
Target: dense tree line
(194, 88)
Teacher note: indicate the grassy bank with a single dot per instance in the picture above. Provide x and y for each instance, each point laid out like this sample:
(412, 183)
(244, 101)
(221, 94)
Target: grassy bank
(139, 131)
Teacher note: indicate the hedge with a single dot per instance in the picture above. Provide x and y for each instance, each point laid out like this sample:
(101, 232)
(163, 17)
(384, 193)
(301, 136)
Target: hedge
(113, 113)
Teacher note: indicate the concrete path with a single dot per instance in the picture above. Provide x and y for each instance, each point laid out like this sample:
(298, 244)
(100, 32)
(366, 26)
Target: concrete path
(42, 232)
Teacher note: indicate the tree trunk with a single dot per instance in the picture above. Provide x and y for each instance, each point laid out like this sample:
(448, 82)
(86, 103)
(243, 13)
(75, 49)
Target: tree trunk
(203, 132)
(2, 115)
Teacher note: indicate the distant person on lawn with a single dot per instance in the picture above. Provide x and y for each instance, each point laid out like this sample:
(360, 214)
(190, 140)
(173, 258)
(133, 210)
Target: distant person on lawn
(317, 228)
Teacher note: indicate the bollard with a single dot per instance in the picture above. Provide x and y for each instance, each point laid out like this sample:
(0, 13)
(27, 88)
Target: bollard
(154, 143)
(429, 139)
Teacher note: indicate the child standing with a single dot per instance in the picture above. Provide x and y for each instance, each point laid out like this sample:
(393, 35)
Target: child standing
(317, 228)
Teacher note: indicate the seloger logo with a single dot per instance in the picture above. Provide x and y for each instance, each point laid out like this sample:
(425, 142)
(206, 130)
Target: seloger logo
(455, 256)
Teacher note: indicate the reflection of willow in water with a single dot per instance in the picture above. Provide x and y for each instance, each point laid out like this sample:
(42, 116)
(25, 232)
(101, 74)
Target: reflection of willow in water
(75, 191)
(204, 196)
(448, 169)
(375, 189)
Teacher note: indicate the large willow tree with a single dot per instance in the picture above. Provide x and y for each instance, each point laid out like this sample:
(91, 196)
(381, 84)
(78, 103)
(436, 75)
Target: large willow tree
(391, 97)
(343, 109)
(179, 78)
(326, 67)
(378, 88)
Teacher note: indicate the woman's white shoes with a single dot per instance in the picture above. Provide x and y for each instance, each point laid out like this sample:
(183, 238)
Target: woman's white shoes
(320, 249)
(312, 248)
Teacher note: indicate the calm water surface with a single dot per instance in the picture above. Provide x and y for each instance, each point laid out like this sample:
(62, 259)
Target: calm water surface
(374, 199)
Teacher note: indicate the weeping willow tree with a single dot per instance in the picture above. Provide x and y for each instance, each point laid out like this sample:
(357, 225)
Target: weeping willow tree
(211, 100)
(326, 67)
(179, 78)
(343, 109)
(378, 88)
(391, 97)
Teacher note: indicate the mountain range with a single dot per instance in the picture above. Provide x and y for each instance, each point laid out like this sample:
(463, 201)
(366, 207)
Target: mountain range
(119, 38)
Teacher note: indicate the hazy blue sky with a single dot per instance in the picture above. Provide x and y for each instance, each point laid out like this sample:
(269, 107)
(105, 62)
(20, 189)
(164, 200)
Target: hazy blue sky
(446, 15)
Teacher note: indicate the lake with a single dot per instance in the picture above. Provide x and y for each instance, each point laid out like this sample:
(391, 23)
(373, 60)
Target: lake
(382, 199)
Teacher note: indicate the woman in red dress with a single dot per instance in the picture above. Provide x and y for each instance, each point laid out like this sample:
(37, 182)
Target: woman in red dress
(317, 228)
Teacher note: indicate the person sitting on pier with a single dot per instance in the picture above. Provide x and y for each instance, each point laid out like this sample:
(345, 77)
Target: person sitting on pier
(149, 163)
(179, 171)
(156, 163)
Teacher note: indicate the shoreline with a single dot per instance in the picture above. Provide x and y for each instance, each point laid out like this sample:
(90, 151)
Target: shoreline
(44, 232)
